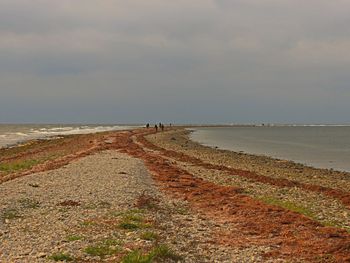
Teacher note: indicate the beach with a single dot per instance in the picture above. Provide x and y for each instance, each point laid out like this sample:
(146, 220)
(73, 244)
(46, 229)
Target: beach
(122, 196)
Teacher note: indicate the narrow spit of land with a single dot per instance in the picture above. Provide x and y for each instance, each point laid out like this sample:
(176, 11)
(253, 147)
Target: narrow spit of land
(140, 196)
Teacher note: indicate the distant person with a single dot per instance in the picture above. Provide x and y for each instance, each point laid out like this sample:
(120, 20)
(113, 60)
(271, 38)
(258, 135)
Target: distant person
(156, 127)
(147, 125)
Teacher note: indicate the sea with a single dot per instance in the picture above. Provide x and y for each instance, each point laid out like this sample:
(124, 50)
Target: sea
(12, 134)
(320, 146)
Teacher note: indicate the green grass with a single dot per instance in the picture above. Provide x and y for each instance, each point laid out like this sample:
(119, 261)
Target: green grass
(29, 203)
(104, 204)
(150, 236)
(132, 220)
(17, 166)
(133, 217)
(182, 210)
(74, 238)
(157, 253)
(105, 248)
(129, 225)
(61, 257)
(288, 205)
(128, 212)
(88, 223)
(11, 214)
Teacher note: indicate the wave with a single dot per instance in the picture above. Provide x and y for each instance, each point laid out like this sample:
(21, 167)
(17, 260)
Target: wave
(21, 134)
(46, 132)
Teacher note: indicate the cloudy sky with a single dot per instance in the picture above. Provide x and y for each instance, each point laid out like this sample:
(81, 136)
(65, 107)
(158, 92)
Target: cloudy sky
(117, 61)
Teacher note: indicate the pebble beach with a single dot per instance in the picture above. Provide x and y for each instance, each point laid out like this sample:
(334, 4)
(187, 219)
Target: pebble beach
(128, 196)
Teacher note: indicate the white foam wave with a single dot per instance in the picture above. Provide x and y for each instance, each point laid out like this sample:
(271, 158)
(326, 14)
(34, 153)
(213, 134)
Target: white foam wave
(46, 132)
(20, 134)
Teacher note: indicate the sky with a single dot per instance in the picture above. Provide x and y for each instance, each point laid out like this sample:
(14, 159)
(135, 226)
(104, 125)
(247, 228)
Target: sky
(183, 61)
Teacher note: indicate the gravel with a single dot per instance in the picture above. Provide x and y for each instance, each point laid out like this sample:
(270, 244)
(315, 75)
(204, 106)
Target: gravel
(79, 205)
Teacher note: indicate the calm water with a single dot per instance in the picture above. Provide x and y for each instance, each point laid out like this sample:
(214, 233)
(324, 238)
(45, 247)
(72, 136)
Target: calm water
(13, 133)
(318, 146)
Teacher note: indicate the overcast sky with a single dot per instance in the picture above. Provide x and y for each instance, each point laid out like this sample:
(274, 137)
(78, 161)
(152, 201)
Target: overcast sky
(212, 61)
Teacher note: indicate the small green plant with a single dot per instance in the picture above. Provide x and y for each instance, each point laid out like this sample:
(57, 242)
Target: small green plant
(133, 217)
(10, 214)
(29, 203)
(132, 221)
(104, 204)
(74, 238)
(164, 252)
(105, 248)
(157, 253)
(63, 209)
(150, 236)
(88, 223)
(61, 257)
(136, 256)
(182, 210)
(129, 225)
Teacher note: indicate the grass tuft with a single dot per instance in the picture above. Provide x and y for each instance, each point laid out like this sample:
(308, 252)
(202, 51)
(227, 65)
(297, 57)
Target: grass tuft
(129, 225)
(105, 248)
(161, 252)
(74, 238)
(11, 214)
(29, 203)
(87, 223)
(61, 257)
(132, 220)
(150, 236)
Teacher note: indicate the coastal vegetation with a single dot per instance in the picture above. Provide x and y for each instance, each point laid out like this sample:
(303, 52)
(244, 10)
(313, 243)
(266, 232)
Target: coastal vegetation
(17, 166)
(61, 257)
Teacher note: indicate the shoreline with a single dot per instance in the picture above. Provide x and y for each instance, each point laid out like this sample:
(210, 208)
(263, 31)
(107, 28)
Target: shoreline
(267, 158)
(273, 158)
(199, 204)
(267, 171)
(33, 132)
(316, 163)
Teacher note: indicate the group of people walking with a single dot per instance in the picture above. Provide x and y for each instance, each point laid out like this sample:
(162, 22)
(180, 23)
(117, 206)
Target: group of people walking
(157, 126)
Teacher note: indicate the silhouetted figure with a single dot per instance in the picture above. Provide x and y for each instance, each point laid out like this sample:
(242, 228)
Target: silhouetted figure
(156, 127)
(147, 125)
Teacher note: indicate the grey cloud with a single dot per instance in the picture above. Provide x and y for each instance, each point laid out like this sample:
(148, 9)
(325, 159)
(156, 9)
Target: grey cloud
(188, 61)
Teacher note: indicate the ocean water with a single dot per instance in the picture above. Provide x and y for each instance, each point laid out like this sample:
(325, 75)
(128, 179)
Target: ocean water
(317, 146)
(11, 134)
